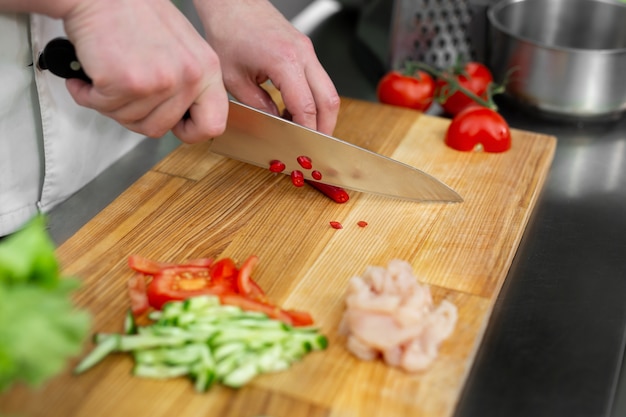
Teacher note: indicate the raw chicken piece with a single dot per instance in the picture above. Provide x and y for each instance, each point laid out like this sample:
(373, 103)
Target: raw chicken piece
(390, 315)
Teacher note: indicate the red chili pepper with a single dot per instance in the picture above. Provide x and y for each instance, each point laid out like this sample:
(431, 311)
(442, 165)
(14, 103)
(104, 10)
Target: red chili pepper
(297, 178)
(305, 162)
(316, 175)
(361, 223)
(337, 194)
(336, 225)
(277, 166)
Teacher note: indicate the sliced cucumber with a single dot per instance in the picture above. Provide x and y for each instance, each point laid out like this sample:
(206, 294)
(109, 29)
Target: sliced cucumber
(160, 371)
(103, 348)
(130, 325)
(207, 342)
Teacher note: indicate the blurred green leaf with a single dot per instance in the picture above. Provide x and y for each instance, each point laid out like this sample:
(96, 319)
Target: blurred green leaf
(28, 256)
(40, 328)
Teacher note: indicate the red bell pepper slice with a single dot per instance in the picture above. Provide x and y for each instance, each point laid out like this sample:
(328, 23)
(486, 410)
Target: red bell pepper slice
(150, 267)
(137, 292)
(180, 283)
(222, 278)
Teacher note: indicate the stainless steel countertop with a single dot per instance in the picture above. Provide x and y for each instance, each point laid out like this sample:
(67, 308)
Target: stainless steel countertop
(555, 343)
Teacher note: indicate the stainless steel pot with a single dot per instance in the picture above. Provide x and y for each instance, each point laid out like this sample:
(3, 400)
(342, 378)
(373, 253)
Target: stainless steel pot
(565, 58)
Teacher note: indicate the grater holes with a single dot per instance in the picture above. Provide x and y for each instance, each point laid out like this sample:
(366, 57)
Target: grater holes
(437, 33)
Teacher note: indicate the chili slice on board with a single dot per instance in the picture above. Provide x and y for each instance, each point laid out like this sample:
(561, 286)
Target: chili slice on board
(336, 225)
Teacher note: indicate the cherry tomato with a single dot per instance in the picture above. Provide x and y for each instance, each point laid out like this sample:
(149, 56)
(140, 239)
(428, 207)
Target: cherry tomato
(477, 128)
(473, 76)
(412, 91)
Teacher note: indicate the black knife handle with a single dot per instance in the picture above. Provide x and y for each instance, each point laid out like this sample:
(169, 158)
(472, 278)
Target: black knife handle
(59, 57)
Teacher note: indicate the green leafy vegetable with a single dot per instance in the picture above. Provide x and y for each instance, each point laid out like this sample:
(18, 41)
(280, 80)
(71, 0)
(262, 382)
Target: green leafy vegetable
(39, 326)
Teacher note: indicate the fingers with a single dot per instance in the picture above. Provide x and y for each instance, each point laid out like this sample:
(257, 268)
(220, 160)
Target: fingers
(148, 71)
(313, 103)
(286, 57)
(153, 111)
(326, 98)
(208, 117)
(308, 92)
(254, 95)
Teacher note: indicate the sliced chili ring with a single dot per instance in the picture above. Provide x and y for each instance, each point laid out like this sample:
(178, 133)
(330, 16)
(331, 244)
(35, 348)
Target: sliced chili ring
(305, 162)
(277, 166)
(297, 178)
(336, 225)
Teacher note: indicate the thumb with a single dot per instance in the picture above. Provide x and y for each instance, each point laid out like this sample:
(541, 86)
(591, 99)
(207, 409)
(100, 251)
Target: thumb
(80, 91)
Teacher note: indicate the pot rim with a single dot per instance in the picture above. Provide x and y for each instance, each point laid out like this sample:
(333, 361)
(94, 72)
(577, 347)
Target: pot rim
(502, 4)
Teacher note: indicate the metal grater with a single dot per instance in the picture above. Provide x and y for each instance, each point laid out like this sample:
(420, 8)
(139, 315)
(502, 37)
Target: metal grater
(437, 32)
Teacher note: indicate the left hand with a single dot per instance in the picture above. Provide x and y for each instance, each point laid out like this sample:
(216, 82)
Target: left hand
(256, 43)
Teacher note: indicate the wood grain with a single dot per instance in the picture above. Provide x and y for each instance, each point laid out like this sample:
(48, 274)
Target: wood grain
(195, 204)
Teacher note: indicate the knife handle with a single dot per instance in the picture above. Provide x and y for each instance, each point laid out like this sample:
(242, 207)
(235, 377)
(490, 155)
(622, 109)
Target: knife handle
(59, 57)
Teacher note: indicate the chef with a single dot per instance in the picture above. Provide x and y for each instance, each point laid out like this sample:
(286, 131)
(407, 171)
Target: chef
(149, 65)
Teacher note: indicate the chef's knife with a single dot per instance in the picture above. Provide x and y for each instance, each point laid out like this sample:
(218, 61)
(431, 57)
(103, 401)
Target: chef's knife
(258, 138)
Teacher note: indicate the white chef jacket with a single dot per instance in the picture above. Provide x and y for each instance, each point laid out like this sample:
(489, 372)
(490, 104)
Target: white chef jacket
(49, 146)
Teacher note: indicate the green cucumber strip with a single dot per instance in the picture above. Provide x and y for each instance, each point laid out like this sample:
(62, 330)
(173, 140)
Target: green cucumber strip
(160, 371)
(234, 348)
(260, 323)
(227, 365)
(250, 336)
(155, 315)
(200, 303)
(130, 326)
(207, 358)
(272, 359)
(203, 378)
(241, 375)
(183, 355)
(170, 331)
(102, 350)
(141, 341)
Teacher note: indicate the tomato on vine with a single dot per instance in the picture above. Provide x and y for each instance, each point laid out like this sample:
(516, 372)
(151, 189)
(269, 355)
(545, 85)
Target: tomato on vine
(453, 84)
(414, 89)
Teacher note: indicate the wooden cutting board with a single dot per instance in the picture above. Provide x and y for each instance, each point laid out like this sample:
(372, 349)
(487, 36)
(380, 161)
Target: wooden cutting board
(196, 204)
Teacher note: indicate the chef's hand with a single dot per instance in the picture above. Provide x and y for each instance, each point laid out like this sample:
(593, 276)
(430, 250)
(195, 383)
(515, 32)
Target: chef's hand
(256, 43)
(148, 65)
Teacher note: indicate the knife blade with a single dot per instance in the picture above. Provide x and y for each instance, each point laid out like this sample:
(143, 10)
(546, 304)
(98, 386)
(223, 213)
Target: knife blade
(258, 138)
